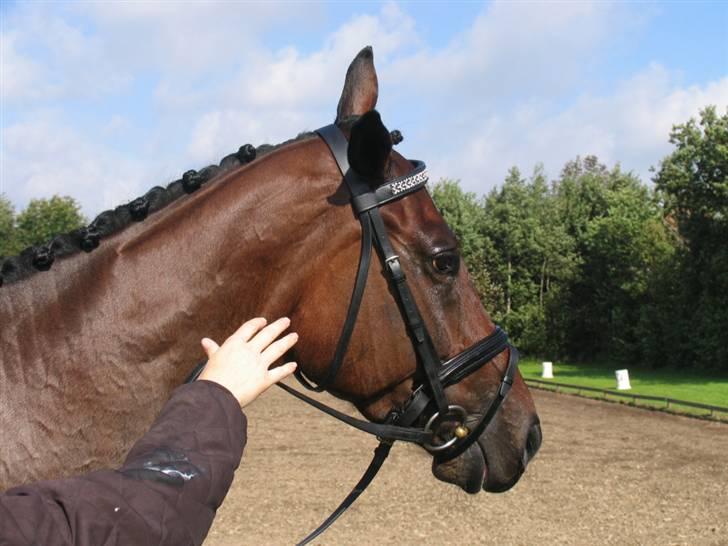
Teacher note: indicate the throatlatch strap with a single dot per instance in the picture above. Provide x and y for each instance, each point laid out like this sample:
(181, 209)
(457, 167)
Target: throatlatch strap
(365, 258)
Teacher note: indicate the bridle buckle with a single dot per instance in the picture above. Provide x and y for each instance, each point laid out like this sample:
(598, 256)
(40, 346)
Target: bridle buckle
(394, 267)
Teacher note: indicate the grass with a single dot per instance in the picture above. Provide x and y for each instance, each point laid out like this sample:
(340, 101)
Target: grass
(688, 386)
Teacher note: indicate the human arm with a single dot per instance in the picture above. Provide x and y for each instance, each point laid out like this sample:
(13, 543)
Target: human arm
(174, 478)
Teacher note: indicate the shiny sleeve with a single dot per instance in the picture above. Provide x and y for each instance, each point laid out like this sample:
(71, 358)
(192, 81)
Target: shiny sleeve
(166, 493)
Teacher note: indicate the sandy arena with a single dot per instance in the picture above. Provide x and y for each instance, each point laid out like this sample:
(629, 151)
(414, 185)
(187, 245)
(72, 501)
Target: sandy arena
(606, 474)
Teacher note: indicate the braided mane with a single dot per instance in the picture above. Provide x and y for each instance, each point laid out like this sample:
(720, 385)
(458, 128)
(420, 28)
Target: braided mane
(88, 238)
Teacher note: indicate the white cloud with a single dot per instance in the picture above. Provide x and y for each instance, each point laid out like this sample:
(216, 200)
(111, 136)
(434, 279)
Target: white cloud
(517, 86)
(284, 92)
(44, 57)
(190, 39)
(43, 156)
(630, 126)
(514, 50)
(18, 74)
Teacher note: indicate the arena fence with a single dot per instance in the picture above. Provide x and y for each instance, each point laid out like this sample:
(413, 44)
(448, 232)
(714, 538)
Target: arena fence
(664, 403)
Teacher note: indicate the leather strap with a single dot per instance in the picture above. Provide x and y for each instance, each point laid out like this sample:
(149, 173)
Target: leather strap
(392, 190)
(365, 258)
(380, 455)
(196, 371)
(503, 390)
(384, 431)
(368, 213)
(426, 354)
(461, 365)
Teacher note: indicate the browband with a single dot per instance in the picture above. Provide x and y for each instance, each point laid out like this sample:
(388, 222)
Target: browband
(392, 190)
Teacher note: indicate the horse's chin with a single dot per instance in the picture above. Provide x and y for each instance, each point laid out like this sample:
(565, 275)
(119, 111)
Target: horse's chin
(469, 471)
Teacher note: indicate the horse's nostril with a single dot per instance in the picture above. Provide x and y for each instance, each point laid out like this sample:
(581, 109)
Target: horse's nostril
(533, 442)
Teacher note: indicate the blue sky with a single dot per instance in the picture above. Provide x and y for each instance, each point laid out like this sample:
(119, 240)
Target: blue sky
(102, 100)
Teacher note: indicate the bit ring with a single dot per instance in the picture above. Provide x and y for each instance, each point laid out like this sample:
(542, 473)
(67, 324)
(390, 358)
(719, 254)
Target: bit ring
(459, 414)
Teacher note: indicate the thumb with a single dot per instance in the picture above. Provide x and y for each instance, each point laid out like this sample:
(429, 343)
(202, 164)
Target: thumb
(209, 346)
(281, 372)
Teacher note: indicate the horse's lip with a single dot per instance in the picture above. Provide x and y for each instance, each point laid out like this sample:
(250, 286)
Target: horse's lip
(471, 474)
(499, 488)
(485, 464)
(475, 483)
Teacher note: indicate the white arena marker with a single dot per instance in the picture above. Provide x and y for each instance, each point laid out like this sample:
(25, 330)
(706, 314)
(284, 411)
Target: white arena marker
(622, 380)
(548, 370)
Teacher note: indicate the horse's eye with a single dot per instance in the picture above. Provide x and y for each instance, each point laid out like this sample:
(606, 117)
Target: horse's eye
(447, 262)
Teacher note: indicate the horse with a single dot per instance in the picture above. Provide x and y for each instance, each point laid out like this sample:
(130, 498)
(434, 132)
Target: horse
(100, 325)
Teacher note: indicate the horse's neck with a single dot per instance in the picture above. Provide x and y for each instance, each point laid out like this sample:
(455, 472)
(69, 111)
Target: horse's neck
(198, 267)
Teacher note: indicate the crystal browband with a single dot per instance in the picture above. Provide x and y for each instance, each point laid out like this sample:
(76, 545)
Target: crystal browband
(394, 189)
(411, 181)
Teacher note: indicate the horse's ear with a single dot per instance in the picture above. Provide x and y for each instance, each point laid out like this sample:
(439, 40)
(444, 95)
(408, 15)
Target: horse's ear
(360, 87)
(370, 145)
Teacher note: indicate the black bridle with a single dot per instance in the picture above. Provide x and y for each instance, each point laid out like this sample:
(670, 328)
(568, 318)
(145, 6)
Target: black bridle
(428, 402)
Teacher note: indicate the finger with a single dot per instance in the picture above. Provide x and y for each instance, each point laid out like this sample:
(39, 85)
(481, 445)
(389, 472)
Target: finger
(281, 372)
(269, 334)
(209, 346)
(249, 329)
(277, 349)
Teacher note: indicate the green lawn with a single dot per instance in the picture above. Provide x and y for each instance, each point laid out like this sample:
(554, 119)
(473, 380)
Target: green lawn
(680, 385)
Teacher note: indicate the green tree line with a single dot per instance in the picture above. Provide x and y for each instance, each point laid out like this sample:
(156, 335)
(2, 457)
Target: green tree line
(41, 220)
(598, 265)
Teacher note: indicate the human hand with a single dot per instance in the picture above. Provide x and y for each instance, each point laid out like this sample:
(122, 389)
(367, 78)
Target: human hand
(241, 363)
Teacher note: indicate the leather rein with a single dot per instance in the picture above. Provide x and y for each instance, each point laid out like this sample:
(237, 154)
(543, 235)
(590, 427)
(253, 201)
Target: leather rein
(428, 400)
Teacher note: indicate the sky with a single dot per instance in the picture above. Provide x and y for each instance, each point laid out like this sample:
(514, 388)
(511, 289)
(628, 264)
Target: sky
(103, 100)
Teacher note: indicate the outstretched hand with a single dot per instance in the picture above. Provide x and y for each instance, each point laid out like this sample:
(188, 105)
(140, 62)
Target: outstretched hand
(242, 363)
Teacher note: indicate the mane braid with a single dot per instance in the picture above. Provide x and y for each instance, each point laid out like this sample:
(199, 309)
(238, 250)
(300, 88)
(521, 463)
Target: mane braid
(88, 238)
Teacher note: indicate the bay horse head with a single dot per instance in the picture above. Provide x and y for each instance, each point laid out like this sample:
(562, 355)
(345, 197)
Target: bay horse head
(100, 325)
(427, 352)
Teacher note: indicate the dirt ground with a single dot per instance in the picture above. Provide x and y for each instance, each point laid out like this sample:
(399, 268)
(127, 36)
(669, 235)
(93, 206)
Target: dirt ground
(606, 474)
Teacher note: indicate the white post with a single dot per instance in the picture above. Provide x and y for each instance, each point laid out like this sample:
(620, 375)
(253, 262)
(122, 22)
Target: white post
(622, 380)
(548, 370)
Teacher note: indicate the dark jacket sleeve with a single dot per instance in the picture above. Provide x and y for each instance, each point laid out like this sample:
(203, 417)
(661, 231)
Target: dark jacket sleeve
(166, 493)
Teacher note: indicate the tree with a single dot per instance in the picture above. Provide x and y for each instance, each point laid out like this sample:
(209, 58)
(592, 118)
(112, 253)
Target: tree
(694, 178)
(44, 218)
(463, 213)
(7, 227)
(693, 182)
(616, 225)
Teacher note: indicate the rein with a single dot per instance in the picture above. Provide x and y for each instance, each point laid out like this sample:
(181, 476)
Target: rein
(428, 401)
